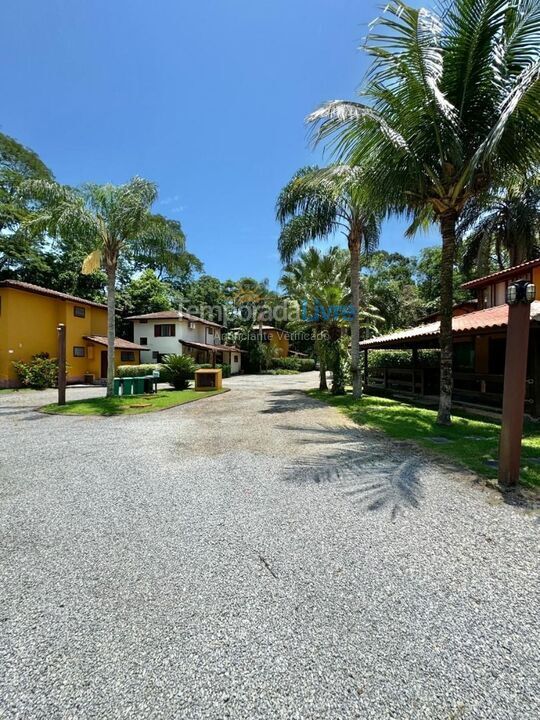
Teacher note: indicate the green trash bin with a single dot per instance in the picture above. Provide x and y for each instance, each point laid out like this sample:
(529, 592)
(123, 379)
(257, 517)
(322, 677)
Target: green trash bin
(127, 386)
(138, 386)
(148, 385)
(117, 384)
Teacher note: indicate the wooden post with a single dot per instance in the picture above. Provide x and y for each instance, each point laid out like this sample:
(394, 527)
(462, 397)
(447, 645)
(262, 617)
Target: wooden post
(61, 364)
(366, 373)
(515, 375)
(414, 366)
(535, 375)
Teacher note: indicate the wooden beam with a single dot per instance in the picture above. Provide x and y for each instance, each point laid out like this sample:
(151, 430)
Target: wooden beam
(61, 328)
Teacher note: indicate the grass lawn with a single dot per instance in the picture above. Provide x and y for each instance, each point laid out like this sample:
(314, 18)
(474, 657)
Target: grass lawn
(133, 405)
(472, 441)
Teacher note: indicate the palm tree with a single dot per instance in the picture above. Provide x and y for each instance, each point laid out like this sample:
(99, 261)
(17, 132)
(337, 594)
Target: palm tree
(452, 109)
(317, 203)
(504, 224)
(313, 278)
(112, 220)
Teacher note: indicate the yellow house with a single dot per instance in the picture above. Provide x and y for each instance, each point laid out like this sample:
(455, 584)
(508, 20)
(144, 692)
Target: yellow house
(276, 338)
(29, 316)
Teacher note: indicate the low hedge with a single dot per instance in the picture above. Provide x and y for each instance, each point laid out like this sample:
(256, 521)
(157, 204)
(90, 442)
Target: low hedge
(293, 363)
(225, 368)
(123, 371)
(402, 358)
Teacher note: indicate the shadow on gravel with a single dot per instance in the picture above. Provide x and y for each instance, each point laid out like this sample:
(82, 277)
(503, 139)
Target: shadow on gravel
(368, 472)
(283, 401)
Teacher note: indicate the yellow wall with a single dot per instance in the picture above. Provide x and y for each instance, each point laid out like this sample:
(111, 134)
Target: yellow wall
(536, 281)
(28, 324)
(279, 340)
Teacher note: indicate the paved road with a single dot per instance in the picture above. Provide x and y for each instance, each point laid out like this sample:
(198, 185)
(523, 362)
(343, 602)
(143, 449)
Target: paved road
(255, 555)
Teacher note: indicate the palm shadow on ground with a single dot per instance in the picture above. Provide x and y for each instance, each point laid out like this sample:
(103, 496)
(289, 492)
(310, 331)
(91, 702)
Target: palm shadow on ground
(366, 470)
(283, 401)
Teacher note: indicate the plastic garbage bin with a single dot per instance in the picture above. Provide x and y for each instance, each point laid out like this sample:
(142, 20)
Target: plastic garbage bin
(117, 384)
(127, 386)
(148, 385)
(138, 386)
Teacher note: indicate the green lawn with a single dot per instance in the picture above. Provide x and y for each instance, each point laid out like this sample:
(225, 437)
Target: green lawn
(472, 441)
(129, 405)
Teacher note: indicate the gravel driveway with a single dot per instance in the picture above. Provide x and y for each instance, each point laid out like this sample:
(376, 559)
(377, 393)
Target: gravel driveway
(255, 555)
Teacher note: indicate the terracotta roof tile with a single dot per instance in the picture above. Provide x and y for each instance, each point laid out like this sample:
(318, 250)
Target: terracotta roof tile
(36, 289)
(480, 320)
(501, 274)
(205, 346)
(119, 343)
(174, 315)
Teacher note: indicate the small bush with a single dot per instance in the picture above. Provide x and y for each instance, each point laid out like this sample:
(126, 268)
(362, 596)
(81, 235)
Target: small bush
(178, 370)
(293, 363)
(281, 372)
(402, 358)
(306, 364)
(123, 371)
(39, 372)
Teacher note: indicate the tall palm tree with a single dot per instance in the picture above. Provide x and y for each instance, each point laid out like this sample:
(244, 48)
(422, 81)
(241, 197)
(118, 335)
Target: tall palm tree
(504, 224)
(111, 219)
(313, 278)
(452, 107)
(317, 203)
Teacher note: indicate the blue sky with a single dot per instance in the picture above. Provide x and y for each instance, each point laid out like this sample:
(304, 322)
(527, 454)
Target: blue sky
(205, 97)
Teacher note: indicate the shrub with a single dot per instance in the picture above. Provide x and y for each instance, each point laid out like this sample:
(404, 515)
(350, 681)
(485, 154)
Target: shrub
(123, 371)
(178, 370)
(306, 364)
(39, 372)
(293, 363)
(402, 358)
(281, 372)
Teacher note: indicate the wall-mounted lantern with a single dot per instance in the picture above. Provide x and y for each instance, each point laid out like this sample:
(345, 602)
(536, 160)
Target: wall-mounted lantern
(521, 291)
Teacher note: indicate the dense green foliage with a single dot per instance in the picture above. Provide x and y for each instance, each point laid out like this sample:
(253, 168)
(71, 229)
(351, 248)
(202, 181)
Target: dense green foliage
(39, 372)
(178, 370)
(293, 363)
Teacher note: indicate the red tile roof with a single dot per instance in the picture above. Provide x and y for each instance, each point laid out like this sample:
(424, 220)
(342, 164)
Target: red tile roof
(174, 315)
(205, 346)
(119, 343)
(501, 274)
(494, 317)
(27, 287)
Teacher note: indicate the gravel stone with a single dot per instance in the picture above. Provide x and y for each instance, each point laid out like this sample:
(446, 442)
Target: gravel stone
(255, 555)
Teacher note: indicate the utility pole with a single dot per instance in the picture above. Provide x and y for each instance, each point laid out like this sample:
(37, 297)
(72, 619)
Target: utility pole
(61, 364)
(519, 296)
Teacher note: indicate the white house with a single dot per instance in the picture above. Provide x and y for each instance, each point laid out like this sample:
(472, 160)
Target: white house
(177, 332)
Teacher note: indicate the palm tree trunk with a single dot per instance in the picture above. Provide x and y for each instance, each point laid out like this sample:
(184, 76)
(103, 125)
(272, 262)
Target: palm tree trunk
(319, 349)
(111, 310)
(448, 231)
(354, 249)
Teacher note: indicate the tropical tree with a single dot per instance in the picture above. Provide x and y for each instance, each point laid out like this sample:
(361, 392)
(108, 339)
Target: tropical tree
(315, 205)
(112, 219)
(504, 225)
(452, 108)
(17, 165)
(313, 279)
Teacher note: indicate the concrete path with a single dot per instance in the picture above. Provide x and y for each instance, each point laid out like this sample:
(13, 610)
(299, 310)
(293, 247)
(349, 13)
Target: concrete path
(255, 555)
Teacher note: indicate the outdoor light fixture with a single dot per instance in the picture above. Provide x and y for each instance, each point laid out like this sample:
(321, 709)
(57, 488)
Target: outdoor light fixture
(521, 291)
